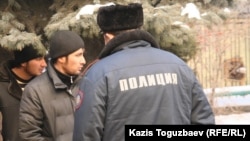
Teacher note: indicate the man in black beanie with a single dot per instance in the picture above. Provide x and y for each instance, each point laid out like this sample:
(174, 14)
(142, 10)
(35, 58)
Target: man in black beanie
(135, 82)
(28, 63)
(48, 103)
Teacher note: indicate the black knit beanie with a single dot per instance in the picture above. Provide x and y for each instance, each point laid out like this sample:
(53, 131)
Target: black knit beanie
(26, 54)
(120, 17)
(64, 42)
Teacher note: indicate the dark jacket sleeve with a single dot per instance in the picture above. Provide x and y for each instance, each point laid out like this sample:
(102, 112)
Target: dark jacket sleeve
(31, 117)
(90, 117)
(201, 110)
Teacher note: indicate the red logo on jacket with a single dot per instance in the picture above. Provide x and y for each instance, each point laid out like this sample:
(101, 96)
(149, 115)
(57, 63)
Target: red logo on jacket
(79, 99)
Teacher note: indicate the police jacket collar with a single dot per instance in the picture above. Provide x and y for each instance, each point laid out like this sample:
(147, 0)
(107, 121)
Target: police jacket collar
(120, 41)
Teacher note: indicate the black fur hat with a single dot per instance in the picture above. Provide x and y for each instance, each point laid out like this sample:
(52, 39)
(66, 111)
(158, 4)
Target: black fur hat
(120, 17)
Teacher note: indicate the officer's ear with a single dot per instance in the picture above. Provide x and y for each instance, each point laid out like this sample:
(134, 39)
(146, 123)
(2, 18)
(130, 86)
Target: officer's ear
(108, 37)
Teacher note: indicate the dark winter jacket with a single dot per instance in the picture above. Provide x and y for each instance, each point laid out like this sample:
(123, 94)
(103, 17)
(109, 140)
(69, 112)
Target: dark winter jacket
(137, 83)
(47, 109)
(10, 95)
